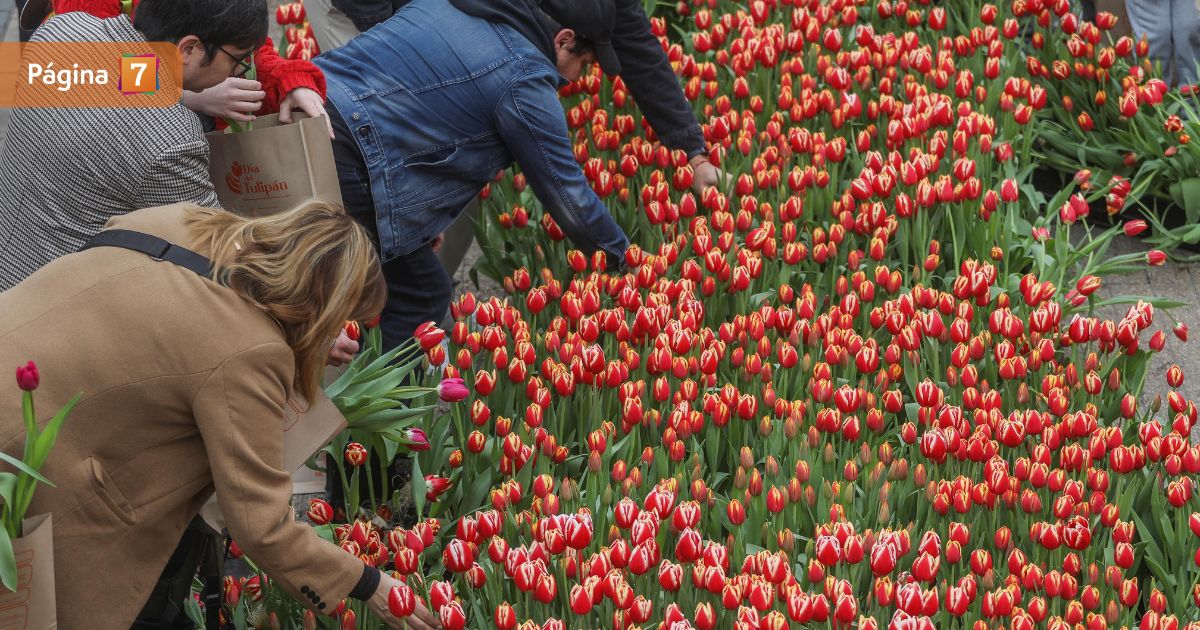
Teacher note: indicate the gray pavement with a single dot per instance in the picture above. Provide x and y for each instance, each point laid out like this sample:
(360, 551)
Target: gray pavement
(1176, 282)
(7, 9)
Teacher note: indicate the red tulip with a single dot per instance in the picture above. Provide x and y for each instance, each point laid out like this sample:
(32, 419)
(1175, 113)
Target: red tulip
(689, 546)
(356, 454)
(505, 617)
(319, 512)
(429, 335)
(458, 556)
(452, 616)
(435, 486)
(706, 616)
(670, 576)
(545, 589)
(736, 512)
(1134, 227)
(883, 559)
(1175, 376)
(829, 551)
(925, 567)
(27, 377)
(401, 600)
(580, 600)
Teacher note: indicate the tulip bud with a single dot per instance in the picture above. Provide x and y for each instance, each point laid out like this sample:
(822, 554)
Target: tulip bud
(27, 377)
(319, 512)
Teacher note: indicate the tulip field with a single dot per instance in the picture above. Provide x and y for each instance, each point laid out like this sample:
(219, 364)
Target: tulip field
(861, 384)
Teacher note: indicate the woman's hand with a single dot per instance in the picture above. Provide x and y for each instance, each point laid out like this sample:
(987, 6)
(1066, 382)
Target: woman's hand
(421, 619)
(307, 101)
(233, 99)
(343, 350)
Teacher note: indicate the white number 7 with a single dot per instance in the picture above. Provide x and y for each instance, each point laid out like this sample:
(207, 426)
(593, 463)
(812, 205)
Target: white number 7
(141, 69)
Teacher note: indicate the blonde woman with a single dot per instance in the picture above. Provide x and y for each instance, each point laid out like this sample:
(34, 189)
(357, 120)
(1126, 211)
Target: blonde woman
(185, 379)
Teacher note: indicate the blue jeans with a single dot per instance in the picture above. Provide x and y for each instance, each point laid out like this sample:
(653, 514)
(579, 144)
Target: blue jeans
(419, 289)
(1172, 28)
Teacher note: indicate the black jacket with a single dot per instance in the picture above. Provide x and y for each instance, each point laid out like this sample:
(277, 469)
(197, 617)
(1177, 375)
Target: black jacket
(368, 13)
(652, 82)
(644, 65)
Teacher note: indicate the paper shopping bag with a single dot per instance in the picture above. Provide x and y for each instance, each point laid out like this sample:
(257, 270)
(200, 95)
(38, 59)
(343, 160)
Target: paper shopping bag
(32, 605)
(273, 167)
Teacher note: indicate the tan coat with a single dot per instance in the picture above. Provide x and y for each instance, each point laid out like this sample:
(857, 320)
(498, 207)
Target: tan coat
(184, 387)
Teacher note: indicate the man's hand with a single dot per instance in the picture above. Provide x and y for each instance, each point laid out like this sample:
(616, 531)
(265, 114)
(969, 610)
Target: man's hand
(421, 619)
(307, 101)
(343, 350)
(704, 174)
(437, 242)
(233, 99)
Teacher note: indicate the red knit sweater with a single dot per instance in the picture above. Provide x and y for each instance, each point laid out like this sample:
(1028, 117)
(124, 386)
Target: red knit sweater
(277, 75)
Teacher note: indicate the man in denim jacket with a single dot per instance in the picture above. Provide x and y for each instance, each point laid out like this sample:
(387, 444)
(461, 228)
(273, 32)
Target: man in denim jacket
(428, 106)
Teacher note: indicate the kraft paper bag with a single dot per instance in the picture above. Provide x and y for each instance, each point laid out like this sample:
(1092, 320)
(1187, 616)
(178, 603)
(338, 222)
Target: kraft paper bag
(273, 167)
(307, 428)
(32, 606)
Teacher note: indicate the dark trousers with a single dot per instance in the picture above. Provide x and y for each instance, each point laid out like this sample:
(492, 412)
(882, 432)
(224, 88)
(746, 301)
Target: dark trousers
(419, 289)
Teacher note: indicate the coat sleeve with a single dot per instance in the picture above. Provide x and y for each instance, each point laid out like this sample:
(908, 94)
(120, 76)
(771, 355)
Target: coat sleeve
(655, 88)
(179, 173)
(280, 76)
(239, 411)
(529, 117)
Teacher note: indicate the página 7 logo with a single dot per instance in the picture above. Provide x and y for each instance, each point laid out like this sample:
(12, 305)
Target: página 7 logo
(63, 79)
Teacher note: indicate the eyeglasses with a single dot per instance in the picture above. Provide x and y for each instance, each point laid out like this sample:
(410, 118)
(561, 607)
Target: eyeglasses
(243, 63)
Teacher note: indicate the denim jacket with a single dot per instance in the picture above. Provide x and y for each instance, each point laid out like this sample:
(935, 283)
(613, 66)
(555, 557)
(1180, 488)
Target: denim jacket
(645, 69)
(439, 102)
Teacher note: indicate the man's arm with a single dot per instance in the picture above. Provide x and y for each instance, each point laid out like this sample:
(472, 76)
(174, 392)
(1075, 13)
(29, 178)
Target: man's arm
(180, 173)
(530, 119)
(648, 75)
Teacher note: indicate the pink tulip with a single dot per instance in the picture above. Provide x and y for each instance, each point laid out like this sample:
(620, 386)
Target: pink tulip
(452, 389)
(417, 440)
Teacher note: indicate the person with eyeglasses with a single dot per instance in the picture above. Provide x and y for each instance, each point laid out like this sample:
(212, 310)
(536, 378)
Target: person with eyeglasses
(65, 172)
(278, 85)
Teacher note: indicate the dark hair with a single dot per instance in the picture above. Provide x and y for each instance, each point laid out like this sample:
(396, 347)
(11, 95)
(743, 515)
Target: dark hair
(554, 27)
(238, 23)
(582, 45)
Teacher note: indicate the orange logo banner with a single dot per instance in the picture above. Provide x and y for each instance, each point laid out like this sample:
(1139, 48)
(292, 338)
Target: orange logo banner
(90, 74)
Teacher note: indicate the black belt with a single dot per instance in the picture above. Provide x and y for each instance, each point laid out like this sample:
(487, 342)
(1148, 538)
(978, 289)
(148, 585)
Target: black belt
(154, 247)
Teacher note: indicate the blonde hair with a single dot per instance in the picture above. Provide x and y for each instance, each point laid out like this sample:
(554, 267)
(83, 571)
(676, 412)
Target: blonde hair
(312, 269)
